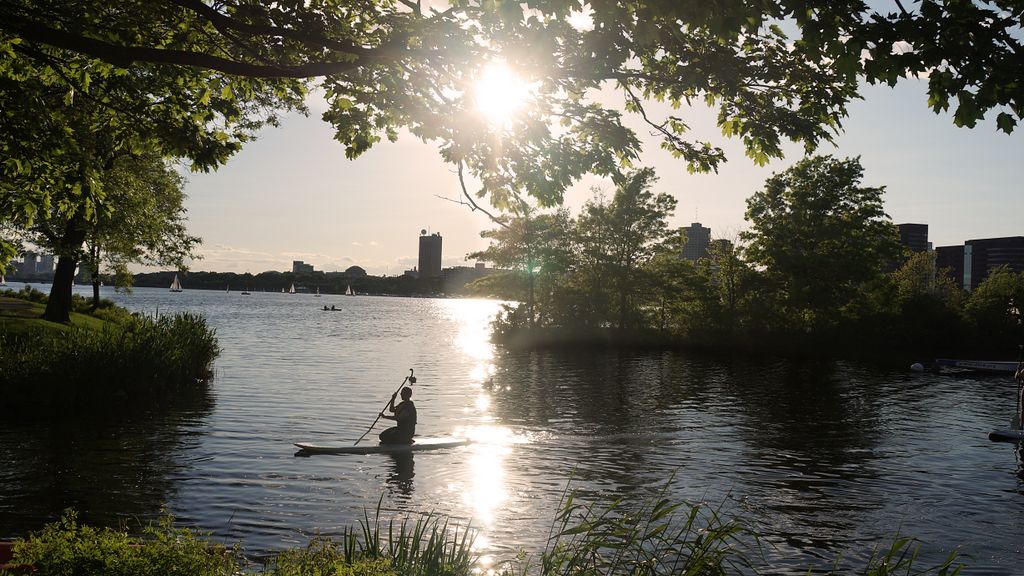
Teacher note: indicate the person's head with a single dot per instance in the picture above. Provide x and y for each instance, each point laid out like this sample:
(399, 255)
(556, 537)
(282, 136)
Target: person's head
(406, 393)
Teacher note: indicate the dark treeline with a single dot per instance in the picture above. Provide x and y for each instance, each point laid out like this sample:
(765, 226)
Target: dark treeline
(820, 271)
(326, 282)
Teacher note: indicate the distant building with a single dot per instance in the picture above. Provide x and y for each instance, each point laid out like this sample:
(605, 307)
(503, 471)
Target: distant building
(971, 263)
(721, 247)
(914, 236)
(300, 267)
(698, 238)
(45, 265)
(355, 272)
(456, 277)
(28, 265)
(983, 256)
(33, 266)
(430, 255)
(951, 258)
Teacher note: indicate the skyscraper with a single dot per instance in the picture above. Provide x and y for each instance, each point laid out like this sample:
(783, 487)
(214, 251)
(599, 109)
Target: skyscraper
(698, 238)
(914, 236)
(430, 255)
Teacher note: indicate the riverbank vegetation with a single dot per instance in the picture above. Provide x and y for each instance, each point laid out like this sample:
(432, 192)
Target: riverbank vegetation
(819, 272)
(661, 538)
(104, 356)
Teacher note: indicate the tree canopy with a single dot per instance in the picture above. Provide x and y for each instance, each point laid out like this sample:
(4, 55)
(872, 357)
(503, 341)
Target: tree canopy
(775, 70)
(67, 119)
(820, 235)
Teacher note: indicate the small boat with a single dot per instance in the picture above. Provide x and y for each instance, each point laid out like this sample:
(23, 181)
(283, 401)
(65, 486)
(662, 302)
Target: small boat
(977, 365)
(176, 285)
(317, 292)
(246, 292)
(348, 291)
(292, 289)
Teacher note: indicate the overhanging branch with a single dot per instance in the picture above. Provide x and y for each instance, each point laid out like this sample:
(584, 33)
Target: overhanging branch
(122, 56)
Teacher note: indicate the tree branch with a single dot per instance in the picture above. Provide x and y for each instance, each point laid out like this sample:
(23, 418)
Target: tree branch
(223, 22)
(472, 203)
(125, 55)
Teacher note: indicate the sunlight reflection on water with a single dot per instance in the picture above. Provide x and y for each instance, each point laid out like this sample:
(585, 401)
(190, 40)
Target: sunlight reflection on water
(822, 458)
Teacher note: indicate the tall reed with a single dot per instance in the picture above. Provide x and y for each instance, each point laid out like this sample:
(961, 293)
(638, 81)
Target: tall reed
(136, 358)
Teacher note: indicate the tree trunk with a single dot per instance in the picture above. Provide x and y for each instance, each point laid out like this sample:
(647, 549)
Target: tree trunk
(95, 278)
(58, 308)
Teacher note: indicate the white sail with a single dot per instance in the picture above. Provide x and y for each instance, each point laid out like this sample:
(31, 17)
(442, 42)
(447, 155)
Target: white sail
(349, 292)
(176, 285)
(292, 289)
(317, 292)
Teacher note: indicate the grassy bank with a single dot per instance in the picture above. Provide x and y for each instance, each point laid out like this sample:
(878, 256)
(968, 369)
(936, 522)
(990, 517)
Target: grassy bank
(107, 356)
(659, 539)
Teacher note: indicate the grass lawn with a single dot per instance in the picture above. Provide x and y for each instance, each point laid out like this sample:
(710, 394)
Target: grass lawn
(21, 316)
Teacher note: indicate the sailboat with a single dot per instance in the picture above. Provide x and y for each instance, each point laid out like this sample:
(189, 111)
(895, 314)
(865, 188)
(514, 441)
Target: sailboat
(176, 285)
(227, 289)
(348, 291)
(317, 292)
(292, 289)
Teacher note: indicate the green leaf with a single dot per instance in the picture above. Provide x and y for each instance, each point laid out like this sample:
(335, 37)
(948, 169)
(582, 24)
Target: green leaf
(1005, 122)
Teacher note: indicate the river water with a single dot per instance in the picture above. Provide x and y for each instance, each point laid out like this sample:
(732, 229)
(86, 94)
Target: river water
(822, 459)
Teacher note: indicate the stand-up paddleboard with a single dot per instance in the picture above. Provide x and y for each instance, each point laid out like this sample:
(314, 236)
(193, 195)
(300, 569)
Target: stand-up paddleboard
(1006, 435)
(420, 444)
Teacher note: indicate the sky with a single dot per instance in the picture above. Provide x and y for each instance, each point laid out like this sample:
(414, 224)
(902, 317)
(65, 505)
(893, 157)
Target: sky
(292, 194)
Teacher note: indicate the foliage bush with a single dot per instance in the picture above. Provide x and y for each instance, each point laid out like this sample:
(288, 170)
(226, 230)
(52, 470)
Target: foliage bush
(134, 358)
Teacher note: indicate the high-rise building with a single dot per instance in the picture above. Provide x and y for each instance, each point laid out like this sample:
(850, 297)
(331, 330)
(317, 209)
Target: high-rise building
(300, 267)
(976, 259)
(914, 236)
(952, 259)
(430, 255)
(698, 238)
(985, 255)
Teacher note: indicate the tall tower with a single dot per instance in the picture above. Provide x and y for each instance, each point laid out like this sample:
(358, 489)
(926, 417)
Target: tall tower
(698, 238)
(430, 255)
(914, 236)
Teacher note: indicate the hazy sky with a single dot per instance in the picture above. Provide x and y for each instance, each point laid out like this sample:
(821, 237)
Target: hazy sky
(292, 195)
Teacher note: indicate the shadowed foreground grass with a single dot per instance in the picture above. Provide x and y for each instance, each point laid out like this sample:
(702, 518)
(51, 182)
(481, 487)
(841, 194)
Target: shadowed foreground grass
(659, 539)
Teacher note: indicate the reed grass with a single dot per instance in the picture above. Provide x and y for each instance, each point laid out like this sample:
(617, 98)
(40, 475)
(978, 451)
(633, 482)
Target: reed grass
(430, 546)
(658, 538)
(128, 359)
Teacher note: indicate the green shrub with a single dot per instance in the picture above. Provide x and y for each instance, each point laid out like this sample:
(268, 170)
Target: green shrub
(138, 358)
(67, 548)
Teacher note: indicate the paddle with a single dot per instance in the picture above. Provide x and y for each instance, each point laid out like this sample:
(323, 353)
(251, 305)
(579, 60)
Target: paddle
(411, 380)
(1016, 423)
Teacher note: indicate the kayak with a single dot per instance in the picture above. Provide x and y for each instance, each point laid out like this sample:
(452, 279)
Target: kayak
(435, 443)
(1006, 435)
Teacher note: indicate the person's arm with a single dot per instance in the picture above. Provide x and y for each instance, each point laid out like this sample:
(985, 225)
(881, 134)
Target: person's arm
(391, 407)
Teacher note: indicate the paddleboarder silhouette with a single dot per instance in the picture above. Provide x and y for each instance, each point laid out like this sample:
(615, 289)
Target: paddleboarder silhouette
(404, 414)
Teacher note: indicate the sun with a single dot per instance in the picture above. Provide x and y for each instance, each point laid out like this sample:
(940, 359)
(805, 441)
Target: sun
(499, 94)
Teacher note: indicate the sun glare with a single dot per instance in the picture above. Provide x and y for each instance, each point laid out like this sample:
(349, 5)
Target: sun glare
(500, 94)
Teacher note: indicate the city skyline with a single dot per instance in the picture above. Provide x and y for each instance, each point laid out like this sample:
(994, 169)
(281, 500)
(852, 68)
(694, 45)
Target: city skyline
(292, 195)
